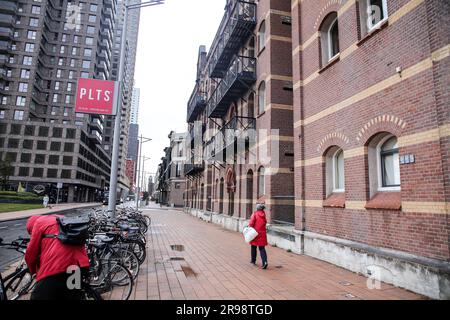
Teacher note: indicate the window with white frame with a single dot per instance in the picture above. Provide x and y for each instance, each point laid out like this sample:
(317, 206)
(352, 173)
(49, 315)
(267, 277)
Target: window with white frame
(372, 14)
(335, 172)
(18, 114)
(58, 73)
(86, 64)
(76, 39)
(89, 41)
(34, 22)
(329, 38)
(262, 36)
(20, 101)
(25, 74)
(35, 9)
(62, 49)
(27, 60)
(23, 87)
(29, 47)
(389, 163)
(384, 163)
(2, 114)
(55, 97)
(262, 97)
(74, 51)
(68, 98)
(69, 86)
(57, 85)
(31, 34)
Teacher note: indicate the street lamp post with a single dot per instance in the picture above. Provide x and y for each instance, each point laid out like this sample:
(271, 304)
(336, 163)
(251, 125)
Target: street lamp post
(142, 160)
(116, 142)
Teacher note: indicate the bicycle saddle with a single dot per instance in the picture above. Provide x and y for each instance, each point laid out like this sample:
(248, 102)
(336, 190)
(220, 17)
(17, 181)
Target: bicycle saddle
(103, 238)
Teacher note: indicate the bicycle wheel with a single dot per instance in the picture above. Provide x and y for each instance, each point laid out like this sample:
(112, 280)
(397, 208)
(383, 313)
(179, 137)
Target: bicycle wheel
(128, 259)
(19, 285)
(89, 293)
(121, 281)
(138, 248)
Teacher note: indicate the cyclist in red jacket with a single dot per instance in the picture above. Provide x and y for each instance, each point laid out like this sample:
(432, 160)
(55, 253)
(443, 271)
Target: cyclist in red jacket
(50, 260)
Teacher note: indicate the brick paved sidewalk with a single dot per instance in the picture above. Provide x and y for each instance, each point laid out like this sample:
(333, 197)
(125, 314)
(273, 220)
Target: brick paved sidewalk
(207, 262)
(5, 216)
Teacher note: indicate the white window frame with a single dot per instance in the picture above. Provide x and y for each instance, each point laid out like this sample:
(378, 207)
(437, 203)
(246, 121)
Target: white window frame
(334, 163)
(261, 179)
(263, 96)
(369, 25)
(329, 40)
(379, 173)
(262, 36)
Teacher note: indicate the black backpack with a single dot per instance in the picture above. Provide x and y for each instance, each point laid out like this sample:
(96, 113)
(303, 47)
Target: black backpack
(72, 230)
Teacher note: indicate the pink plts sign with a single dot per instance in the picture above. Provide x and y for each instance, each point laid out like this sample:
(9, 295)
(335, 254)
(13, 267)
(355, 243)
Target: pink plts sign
(95, 96)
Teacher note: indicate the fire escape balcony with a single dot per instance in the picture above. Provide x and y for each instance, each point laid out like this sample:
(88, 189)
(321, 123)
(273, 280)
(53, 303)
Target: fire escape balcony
(192, 169)
(237, 135)
(40, 97)
(196, 134)
(238, 28)
(8, 7)
(240, 76)
(196, 104)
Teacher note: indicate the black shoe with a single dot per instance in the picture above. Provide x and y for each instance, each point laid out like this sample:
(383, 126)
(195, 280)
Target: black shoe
(253, 263)
(265, 265)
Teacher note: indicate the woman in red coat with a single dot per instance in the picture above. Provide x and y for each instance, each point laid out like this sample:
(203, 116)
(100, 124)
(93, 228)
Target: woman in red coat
(258, 221)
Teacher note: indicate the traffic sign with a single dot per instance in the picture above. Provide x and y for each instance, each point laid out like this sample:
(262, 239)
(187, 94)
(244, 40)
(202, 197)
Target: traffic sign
(59, 185)
(95, 96)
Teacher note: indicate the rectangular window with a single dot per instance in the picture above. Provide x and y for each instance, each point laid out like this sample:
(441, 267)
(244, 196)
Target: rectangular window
(25, 74)
(42, 145)
(60, 61)
(89, 41)
(27, 144)
(67, 99)
(27, 60)
(53, 159)
(29, 47)
(57, 132)
(58, 73)
(52, 173)
(69, 86)
(71, 73)
(20, 101)
(90, 30)
(35, 9)
(87, 52)
(34, 22)
(57, 85)
(64, 38)
(76, 39)
(74, 51)
(39, 159)
(55, 97)
(13, 143)
(93, 8)
(86, 64)
(38, 172)
(23, 87)
(84, 75)
(62, 49)
(18, 114)
(16, 129)
(24, 171)
(92, 18)
(43, 131)
(2, 114)
(25, 157)
(29, 130)
(31, 35)
(67, 161)
(55, 146)
(55, 111)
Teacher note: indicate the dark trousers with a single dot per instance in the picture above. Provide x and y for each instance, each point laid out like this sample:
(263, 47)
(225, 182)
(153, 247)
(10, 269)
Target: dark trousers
(55, 288)
(262, 251)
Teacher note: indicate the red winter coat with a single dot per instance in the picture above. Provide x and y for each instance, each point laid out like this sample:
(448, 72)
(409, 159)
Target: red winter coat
(258, 221)
(48, 256)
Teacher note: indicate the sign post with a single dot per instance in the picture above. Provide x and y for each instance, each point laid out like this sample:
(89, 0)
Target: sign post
(95, 96)
(58, 187)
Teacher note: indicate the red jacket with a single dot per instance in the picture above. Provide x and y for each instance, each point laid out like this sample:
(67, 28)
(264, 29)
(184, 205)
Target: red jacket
(258, 221)
(48, 256)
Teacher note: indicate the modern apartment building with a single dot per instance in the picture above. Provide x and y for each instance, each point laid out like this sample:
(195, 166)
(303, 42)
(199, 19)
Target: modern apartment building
(45, 46)
(135, 100)
(240, 117)
(127, 87)
(359, 91)
(371, 130)
(170, 182)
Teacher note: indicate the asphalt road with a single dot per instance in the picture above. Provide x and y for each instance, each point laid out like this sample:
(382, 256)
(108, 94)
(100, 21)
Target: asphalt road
(12, 230)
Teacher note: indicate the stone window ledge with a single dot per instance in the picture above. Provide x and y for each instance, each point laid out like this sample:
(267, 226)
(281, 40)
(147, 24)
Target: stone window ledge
(385, 201)
(335, 200)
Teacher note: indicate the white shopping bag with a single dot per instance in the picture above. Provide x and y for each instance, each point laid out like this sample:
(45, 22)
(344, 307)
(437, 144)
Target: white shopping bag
(249, 234)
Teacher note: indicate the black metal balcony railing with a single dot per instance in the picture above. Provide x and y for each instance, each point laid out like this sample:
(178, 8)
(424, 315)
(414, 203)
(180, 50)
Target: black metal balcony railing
(238, 28)
(191, 169)
(234, 131)
(238, 79)
(196, 103)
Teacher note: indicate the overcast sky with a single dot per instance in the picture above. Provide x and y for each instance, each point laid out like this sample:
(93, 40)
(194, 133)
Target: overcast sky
(169, 38)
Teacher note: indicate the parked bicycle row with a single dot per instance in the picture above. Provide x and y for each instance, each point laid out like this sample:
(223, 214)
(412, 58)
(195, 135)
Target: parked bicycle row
(88, 257)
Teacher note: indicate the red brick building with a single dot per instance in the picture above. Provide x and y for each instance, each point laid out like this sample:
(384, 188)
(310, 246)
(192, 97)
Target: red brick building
(372, 132)
(359, 93)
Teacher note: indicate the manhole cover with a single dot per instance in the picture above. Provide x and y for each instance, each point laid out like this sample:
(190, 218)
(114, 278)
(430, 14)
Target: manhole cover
(177, 247)
(345, 283)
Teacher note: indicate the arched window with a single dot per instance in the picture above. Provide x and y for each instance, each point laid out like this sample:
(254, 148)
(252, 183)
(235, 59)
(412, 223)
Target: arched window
(389, 163)
(261, 182)
(329, 38)
(384, 163)
(262, 36)
(335, 173)
(262, 97)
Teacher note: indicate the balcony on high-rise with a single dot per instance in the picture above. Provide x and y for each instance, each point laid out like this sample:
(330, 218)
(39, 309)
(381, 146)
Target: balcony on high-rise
(196, 104)
(238, 79)
(9, 7)
(238, 27)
